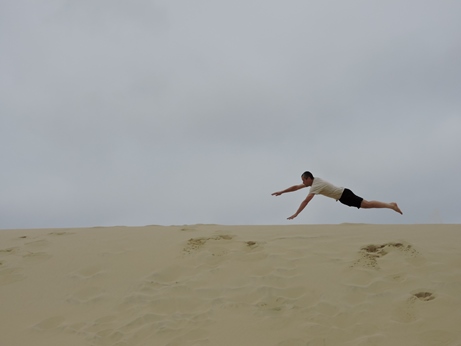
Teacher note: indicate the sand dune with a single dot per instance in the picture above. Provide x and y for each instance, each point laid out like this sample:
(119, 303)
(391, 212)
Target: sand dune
(316, 285)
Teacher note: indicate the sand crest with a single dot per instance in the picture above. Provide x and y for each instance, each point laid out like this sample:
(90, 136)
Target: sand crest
(297, 285)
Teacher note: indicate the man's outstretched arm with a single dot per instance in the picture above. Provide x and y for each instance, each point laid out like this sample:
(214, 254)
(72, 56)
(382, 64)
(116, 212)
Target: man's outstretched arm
(290, 189)
(302, 206)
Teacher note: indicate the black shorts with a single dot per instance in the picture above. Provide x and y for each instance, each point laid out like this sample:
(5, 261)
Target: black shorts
(350, 199)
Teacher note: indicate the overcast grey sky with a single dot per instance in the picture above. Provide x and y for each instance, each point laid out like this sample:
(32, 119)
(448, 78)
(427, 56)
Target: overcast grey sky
(183, 112)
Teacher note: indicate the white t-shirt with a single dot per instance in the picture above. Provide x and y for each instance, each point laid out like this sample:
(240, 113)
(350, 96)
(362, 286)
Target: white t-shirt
(322, 187)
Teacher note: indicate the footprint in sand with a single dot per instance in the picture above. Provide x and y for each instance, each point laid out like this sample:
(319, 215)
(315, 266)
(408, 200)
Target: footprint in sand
(252, 251)
(195, 244)
(219, 247)
(424, 296)
(369, 254)
(407, 311)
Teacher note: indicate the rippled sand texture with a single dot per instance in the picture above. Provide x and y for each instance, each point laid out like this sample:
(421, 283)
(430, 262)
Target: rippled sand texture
(349, 284)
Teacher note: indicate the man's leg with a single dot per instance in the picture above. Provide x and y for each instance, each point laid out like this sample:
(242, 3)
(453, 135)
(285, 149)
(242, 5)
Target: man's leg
(377, 204)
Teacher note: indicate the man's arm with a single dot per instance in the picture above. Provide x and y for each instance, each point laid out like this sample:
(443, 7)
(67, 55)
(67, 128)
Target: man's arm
(290, 189)
(302, 206)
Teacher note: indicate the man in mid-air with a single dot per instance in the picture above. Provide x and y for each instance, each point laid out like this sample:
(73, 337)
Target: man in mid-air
(344, 195)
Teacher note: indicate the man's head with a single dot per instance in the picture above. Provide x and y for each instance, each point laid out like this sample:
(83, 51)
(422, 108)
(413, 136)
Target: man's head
(307, 178)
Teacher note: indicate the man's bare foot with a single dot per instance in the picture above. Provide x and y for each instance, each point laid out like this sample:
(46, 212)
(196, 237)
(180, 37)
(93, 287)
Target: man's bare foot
(396, 208)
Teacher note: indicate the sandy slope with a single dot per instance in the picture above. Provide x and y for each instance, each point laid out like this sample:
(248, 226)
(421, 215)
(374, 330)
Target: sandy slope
(349, 284)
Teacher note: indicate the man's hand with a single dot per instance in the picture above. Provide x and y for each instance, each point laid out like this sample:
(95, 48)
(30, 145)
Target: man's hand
(290, 189)
(292, 217)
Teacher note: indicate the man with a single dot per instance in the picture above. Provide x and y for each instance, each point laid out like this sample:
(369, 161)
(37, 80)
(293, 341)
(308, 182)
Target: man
(345, 196)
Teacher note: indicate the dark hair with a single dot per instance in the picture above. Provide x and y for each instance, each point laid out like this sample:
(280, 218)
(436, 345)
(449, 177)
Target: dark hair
(307, 174)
